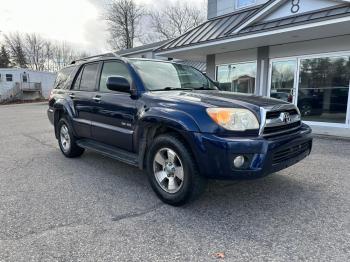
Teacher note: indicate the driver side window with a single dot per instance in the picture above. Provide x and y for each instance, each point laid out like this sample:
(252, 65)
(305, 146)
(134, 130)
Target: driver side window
(113, 68)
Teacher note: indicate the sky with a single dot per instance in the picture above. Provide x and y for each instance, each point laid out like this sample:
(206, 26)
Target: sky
(79, 22)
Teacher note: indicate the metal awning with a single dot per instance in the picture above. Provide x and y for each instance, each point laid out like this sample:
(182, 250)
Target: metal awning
(225, 27)
(211, 30)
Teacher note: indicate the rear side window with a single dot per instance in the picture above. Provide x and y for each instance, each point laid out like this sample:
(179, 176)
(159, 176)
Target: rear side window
(77, 80)
(61, 78)
(88, 77)
(113, 69)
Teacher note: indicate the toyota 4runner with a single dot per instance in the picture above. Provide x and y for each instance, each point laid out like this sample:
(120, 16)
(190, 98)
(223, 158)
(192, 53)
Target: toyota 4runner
(172, 121)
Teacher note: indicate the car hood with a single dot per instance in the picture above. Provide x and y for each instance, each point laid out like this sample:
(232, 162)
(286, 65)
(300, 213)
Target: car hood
(216, 98)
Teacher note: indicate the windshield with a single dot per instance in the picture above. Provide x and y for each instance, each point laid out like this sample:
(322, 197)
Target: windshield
(159, 76)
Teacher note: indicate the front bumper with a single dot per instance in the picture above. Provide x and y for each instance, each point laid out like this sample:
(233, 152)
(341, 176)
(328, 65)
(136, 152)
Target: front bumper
(215, 154)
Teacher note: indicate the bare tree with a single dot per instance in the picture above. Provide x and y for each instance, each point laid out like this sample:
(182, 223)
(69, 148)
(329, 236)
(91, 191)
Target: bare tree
(15, 44)
(123, 18)
(35, 51)
(48, 56)
(63, 54)
(176, 19)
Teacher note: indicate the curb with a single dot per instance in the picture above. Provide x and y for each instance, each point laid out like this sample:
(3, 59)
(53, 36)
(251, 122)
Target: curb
(331, 137)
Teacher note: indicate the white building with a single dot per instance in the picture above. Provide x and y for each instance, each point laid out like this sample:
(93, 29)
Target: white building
(295, 50)
(24, 84)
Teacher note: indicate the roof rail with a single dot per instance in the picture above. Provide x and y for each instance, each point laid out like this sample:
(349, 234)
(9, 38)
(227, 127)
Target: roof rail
(94, 57)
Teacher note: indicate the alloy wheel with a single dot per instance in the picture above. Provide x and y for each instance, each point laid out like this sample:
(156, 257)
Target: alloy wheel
(65, 138)
(168, 170)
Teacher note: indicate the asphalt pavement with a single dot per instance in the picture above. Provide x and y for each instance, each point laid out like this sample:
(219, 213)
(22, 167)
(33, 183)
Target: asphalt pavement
(97, 209)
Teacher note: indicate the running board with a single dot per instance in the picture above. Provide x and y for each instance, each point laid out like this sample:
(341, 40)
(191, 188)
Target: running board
(109, 151)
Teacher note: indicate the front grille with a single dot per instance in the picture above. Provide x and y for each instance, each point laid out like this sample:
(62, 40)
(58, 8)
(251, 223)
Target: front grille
(280, 120)
(289, 153)
(276, 114)
(281, 129)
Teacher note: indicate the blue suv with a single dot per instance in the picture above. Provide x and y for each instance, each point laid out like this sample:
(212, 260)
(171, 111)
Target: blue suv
(174, 122)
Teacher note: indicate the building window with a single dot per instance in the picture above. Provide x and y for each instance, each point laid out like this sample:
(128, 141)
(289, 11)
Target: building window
(323, 90)
(282, 80)
(244, 3)
(8, 77)
(237, 77)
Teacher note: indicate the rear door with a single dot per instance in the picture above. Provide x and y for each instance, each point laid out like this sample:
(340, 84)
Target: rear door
(115, 112)
(84, 89)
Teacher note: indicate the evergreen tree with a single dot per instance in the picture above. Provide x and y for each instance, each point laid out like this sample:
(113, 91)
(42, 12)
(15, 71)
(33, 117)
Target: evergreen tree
(20, 57)
(4, 58)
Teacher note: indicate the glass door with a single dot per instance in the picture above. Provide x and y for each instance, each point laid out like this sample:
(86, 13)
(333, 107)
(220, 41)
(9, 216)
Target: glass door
(283, 76)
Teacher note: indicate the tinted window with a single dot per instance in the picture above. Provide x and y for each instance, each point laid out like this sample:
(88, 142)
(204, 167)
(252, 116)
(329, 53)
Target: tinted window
(88, 78)
(9, 77)
(113, 69)
(61, 78)
(164, 76)
(77, 80)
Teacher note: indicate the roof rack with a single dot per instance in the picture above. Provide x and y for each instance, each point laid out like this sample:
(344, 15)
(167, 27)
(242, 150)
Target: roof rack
(94, 57)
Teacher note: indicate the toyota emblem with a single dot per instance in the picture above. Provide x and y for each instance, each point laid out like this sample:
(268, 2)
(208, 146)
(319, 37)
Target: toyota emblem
(285, 117)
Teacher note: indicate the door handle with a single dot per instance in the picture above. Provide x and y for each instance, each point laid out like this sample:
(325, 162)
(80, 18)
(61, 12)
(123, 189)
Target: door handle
(72, 95)
(97, 99)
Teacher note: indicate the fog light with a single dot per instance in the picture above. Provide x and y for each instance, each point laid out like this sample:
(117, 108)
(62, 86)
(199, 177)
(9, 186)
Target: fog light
(239, 161)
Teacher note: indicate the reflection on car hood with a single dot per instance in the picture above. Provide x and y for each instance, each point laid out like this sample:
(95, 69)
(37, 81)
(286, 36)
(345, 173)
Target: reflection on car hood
(217, 98)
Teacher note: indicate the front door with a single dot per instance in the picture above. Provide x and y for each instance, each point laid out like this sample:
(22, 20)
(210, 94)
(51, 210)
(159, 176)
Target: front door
(114, 112)
(283, 80)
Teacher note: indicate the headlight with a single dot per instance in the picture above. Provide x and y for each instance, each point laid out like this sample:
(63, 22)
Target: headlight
(234, 119)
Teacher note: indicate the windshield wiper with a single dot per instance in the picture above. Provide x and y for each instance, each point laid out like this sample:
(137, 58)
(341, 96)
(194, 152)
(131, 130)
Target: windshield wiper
(203, 88)
(168, 88)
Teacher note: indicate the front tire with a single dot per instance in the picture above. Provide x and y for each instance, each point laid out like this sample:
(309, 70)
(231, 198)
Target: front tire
(172, 171)
(67, 141)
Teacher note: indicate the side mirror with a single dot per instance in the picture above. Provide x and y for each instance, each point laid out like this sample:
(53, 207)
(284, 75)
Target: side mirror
(118, 83)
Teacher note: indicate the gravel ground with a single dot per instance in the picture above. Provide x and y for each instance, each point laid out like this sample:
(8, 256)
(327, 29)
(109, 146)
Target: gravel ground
(96, 209)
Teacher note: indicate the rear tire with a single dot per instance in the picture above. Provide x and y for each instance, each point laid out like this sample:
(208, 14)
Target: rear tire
(172, 171)
(67, 141)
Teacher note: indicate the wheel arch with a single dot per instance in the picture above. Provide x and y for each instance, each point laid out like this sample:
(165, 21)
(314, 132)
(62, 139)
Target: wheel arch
(150, 132)
(61, 108)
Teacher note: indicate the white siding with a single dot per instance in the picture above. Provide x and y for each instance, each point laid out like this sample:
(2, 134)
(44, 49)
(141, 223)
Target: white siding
(46, 79)
(236, 57)
(229, 6)
(327, 45)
